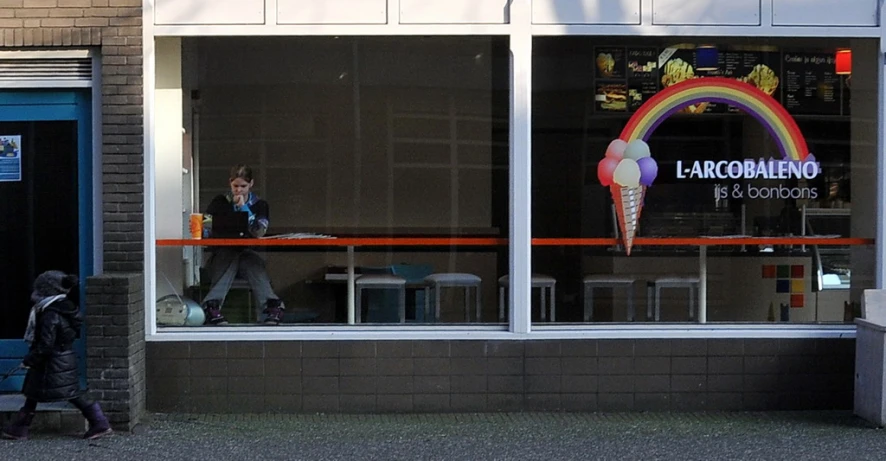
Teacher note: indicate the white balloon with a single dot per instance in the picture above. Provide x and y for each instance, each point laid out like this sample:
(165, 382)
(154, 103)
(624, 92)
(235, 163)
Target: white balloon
(627, 173)
(637, 149)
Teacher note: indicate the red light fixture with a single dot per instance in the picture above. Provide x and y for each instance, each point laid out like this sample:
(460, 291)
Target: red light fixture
(844, 62)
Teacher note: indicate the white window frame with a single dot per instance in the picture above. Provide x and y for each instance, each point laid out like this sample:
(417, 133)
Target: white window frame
(521, 32)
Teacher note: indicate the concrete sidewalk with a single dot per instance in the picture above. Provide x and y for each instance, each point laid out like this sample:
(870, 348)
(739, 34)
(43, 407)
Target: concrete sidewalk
(535, 436)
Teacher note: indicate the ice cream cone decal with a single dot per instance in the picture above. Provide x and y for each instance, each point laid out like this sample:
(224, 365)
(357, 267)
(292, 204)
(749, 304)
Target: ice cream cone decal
(628, 205)
(627, 169)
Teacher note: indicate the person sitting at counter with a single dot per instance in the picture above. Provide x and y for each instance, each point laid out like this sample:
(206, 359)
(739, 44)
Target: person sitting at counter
(226, 263)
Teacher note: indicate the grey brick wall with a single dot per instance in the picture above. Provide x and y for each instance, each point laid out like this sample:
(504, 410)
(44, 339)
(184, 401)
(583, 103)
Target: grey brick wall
(479, 376)
(115, 301)
(115, 342)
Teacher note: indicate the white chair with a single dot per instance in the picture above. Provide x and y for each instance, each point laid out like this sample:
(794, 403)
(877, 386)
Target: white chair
(653, 293)
(437, 282)
(380, 282)
(607, 281)
(544, 283)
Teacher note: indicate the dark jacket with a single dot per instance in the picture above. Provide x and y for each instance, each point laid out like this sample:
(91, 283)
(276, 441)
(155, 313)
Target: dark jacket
(53, 363)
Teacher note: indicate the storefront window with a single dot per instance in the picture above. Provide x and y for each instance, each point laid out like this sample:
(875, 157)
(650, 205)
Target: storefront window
(386, 156)
(753, 147)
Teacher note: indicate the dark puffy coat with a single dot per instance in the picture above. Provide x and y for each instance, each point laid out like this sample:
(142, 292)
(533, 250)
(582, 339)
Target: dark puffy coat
(53, 363)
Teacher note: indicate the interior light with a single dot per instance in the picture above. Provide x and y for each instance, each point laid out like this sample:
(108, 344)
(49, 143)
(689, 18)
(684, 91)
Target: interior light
(844, 62)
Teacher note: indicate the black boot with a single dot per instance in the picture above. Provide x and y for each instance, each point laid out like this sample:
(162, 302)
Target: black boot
(18, 430)
(98, 424)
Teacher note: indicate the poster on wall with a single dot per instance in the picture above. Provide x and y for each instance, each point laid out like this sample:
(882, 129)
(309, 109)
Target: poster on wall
(10, 158)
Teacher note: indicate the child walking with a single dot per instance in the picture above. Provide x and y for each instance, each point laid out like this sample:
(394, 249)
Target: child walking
(52, 376)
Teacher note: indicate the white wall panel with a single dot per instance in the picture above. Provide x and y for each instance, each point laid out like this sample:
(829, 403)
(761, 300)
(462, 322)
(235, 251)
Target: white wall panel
(824, 12)
(454, 11)
(332, 11)
(586, 11)
(710, 12)
(209, 12)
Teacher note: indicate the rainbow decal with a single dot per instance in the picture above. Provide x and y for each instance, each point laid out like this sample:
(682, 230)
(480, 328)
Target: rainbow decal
(722, 90)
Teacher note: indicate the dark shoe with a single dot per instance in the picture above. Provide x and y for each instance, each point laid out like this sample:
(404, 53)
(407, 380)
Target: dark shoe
(212, 310)
(274, 311)
(98, 423)
(18, 430)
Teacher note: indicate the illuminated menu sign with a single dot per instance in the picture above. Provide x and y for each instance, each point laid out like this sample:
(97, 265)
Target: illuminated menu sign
(803, 82)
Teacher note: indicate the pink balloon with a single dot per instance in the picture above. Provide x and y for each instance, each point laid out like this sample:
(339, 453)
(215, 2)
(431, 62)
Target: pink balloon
(648, 170)
(605, 169)
(616, 149)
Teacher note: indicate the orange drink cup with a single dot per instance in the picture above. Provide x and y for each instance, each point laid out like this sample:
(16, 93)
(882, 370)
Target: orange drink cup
(196, 225)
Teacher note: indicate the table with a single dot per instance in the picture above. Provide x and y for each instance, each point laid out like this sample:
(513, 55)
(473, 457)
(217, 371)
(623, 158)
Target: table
(350, 243)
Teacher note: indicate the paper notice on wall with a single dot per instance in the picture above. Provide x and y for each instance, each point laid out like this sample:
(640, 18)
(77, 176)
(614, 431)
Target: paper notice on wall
(10, 158)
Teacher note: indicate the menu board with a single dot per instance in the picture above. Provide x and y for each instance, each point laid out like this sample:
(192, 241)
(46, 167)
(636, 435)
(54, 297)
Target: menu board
(803, 82)
(812, 85)
(611, 91)
(642, 76)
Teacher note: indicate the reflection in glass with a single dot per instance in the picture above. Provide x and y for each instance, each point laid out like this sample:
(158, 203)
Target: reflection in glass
(358, 137)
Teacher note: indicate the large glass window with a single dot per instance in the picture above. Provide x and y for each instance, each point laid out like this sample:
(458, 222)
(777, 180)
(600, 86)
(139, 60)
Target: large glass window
(714, 222)
(385, 156)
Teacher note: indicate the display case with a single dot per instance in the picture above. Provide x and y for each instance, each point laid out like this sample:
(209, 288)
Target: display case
(832, 261)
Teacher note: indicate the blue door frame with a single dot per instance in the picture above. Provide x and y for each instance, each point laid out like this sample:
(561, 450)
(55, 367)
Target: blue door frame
(51, 105)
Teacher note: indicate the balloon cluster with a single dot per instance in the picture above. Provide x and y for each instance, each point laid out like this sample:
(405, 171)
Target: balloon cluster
(627, 164)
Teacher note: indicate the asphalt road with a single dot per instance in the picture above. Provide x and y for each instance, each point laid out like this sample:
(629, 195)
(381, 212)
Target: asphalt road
(521, 436)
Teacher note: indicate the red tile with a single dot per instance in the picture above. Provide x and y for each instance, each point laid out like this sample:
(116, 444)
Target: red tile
(797, 301)
(768, 271)
(797, 271)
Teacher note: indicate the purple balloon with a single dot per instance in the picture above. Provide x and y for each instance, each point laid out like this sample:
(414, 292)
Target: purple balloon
(648, 170)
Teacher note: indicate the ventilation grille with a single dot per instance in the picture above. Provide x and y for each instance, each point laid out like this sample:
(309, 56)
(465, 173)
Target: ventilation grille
(66, 69)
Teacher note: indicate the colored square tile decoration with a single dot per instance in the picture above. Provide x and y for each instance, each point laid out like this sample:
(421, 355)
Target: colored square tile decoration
(768, 271)
(783, 286)
(797, 271)
(798, 286)
(784, 271)
(797, 301)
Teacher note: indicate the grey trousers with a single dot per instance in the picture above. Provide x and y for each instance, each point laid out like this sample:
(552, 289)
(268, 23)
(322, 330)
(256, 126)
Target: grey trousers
(226, 264)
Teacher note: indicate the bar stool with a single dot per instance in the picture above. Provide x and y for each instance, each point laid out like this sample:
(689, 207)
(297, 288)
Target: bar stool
(688, 282)
(607, 281)
(380, 282)
(542, 282)
(439, 281)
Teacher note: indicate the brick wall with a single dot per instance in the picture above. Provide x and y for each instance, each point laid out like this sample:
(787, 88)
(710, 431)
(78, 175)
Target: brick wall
(478, 376)
(115, 367)
(115, 303)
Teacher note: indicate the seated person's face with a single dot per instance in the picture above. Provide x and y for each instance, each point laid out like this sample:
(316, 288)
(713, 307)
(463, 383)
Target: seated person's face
(240, 186)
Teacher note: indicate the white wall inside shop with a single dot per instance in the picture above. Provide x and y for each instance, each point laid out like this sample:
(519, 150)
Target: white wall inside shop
(168, 215)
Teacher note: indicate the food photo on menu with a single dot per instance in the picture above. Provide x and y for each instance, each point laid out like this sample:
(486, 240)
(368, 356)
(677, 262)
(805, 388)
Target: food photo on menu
(612, 97)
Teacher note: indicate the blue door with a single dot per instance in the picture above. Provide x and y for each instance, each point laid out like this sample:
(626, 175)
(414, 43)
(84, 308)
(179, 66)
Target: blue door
(45, 204)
